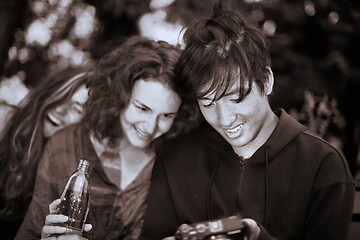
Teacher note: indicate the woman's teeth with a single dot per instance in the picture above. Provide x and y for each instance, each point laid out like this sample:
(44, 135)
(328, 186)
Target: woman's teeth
(53, 120)
(142, 133)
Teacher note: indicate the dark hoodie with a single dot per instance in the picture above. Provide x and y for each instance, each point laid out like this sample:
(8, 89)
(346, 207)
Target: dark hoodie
(295, 186)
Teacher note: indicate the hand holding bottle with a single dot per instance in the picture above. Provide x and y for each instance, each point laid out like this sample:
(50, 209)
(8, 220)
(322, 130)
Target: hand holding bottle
(68, 215)
(52, 220)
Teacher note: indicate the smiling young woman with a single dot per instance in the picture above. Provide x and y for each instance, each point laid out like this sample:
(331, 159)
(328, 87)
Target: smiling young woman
(132, 107)
(25, 134)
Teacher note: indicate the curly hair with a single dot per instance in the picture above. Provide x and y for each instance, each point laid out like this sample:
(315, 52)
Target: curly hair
(23, 140)
(113, 81)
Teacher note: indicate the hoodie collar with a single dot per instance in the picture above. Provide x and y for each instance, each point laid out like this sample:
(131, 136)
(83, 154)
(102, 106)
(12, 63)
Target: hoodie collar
(286, 130)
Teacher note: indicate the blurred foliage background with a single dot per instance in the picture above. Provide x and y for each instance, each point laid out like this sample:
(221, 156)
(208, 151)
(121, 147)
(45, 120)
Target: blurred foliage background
(315, 48)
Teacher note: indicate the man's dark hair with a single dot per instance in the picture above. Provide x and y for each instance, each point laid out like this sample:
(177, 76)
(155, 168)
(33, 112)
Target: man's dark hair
(221, 50)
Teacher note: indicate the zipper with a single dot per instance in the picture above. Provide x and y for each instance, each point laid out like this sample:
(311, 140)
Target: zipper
(239, 201)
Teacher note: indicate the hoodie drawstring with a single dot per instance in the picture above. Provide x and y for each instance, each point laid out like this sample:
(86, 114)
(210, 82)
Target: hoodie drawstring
(266, 185)
(208, 193)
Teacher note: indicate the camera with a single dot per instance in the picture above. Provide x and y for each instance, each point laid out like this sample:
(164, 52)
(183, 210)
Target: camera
(223, 228)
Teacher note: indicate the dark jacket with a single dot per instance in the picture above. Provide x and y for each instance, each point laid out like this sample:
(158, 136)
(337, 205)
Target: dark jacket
(296, 186)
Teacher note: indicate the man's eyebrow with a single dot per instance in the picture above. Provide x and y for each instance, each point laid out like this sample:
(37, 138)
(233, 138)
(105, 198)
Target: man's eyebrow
(232, 92)
(205, 98)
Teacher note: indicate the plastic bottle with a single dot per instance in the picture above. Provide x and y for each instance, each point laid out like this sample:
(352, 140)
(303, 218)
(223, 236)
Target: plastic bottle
(75, 198)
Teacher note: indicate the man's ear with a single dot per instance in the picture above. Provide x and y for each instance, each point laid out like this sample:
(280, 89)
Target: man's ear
(269, 83)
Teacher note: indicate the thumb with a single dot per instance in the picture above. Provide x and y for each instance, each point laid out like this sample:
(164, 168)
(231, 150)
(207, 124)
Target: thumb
(87, 227)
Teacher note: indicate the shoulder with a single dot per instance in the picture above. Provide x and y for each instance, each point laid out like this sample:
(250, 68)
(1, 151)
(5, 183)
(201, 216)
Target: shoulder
(188, 153)
(319, 146)
(65, 137)
(63, 145)
(60, 156)
(183, 145)
(332, 166)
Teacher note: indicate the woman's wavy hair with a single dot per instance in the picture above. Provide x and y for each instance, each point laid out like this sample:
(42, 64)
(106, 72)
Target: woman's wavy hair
(23, 140)
(113, 81)
(221, 50)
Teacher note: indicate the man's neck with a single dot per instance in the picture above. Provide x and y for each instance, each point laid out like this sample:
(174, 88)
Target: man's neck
(249, 149)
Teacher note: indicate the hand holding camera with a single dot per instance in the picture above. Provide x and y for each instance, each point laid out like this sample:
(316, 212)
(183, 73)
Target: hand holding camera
(214, 229)
(233, 227)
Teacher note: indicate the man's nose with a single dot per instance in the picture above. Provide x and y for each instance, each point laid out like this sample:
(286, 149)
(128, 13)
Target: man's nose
(225, 115)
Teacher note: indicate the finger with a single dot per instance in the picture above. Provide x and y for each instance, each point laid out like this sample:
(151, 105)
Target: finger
(55, 218)
(169, 238)
(249, 223)
(68, 233)
(252, 229)
(48, 230)
(53, 205)
(70, 237)
(87, 227)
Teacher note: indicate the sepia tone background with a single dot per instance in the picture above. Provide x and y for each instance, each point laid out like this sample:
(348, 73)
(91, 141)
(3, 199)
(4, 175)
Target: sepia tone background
(314, 47)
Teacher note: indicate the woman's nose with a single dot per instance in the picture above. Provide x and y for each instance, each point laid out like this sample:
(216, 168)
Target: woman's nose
(66, 113)
(62, 109)
(151, 125)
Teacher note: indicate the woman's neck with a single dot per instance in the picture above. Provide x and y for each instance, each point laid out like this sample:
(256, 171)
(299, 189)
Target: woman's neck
(134, 155)
(133, 161)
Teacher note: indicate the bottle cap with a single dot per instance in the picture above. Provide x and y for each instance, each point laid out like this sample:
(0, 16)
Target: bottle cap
(84, 165)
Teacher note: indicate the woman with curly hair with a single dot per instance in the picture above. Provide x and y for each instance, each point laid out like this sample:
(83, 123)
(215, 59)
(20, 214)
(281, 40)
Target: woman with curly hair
(133, 106)
(58, 101)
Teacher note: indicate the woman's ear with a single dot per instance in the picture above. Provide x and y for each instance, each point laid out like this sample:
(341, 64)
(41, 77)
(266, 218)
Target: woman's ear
(269, 83)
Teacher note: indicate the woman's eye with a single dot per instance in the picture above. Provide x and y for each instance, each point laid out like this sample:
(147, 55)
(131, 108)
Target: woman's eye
(169, 115)
(80, 111)
(142, 108)
(77, 108)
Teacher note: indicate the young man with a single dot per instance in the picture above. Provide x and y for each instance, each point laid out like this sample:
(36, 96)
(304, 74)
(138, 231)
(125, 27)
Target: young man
(245, 159)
